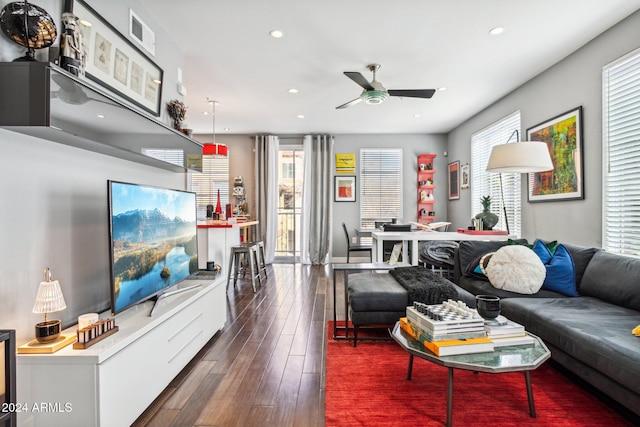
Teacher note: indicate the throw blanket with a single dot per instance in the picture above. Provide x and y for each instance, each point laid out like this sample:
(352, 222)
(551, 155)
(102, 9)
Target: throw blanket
(439, 251)
(423, 285)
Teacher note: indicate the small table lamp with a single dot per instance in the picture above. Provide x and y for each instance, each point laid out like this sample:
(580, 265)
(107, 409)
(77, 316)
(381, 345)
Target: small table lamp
(48, 300)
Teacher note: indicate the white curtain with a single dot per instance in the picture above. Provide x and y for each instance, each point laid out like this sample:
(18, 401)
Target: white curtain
(267, 147)
(315, 219)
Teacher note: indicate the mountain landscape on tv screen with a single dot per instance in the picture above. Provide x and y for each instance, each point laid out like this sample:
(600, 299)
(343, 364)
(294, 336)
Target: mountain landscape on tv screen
(149, 226)
(150, 243)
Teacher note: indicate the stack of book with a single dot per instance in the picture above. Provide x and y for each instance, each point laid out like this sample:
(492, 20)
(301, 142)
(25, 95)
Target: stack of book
(447, 329)
(504, 332)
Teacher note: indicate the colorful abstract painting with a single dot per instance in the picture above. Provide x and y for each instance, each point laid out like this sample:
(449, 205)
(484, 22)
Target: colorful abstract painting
(563, 136)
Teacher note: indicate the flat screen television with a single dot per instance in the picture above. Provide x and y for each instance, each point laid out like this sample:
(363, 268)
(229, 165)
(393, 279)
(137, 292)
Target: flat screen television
(153, 239)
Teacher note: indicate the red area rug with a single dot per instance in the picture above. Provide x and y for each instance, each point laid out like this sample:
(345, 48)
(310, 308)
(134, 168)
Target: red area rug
(367, 386)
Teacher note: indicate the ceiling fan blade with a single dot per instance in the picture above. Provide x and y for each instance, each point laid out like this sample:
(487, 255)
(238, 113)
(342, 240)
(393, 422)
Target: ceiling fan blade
(349, 104)
(359, 78)
(412, 93)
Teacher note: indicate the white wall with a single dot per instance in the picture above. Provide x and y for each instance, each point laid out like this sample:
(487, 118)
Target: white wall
(575, 81)
(412, 146)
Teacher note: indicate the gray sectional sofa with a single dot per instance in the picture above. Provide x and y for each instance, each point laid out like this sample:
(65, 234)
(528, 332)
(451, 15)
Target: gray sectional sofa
(590, 335)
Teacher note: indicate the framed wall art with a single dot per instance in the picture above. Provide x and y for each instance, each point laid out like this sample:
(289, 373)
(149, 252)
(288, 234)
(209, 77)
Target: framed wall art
(465, 176)
(345, 188)
(114, 62)
(563, 136)
(346, 163)
(454, 180)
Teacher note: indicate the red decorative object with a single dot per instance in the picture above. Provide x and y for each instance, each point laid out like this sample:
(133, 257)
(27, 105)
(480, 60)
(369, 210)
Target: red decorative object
(218, 205)
(484, 232)
(215, 149)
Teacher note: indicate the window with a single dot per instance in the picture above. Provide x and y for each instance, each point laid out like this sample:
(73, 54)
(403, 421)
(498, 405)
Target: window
(291, 161)
(380, 186)
(621, 156)
(214, 177)
(484, 183)
(175, 157)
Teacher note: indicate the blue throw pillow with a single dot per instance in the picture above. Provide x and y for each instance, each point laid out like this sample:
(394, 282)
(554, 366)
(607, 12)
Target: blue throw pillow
(561, 272)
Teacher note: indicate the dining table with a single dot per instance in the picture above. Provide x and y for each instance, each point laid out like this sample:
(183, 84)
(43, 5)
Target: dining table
(412, 239)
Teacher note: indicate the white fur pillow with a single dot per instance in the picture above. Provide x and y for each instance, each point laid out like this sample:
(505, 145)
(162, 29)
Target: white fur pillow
(516, 268)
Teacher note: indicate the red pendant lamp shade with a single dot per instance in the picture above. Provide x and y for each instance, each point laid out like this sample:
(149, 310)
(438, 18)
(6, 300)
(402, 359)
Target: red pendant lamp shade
(215, 150)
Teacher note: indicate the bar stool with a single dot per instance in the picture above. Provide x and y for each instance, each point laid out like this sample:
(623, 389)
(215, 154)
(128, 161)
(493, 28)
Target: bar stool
(261, 264)
(243, 256)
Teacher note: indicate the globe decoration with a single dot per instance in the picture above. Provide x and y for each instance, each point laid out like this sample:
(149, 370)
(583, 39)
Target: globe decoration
(33, 30)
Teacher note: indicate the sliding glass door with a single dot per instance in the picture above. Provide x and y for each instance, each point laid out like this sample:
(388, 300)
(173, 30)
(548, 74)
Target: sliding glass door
(290, 178)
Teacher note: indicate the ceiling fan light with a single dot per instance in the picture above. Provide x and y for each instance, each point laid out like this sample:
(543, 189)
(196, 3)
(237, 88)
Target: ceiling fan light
(374, 97)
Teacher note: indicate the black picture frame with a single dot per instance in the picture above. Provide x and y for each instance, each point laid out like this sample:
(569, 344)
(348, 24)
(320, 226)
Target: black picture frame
(344, 188)
(115, 63)
(563, 136)
(453, 178)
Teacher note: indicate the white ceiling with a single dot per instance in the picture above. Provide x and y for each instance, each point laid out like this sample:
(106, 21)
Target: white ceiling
(421, 44)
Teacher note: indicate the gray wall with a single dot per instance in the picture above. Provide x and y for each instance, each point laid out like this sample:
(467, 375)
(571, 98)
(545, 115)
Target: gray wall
(575, 81)
(55, 215)
(412, 146)
(54, 210)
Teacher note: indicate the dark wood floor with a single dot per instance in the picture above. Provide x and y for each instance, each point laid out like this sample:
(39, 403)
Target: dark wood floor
(266, 367)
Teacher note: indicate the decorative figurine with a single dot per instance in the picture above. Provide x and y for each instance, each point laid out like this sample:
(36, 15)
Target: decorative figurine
(73, 55)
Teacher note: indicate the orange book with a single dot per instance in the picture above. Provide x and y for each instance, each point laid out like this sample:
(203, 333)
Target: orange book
(449, 347)
(463, 346)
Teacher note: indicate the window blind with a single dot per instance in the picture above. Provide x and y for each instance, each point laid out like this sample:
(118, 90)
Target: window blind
(484, 183)
(175, 157)
(214, 177)
(621, 137)
(380, 186)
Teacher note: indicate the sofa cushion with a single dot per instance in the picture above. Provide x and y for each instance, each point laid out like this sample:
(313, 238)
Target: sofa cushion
(376, 292)
(593, 331)
(561, 275)
(483, 287)
(516, 268)
(581, 256)
(477, 267)
(472, 250)
(613, 278)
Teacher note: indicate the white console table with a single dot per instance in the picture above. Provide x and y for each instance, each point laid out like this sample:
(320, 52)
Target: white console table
(112, 382)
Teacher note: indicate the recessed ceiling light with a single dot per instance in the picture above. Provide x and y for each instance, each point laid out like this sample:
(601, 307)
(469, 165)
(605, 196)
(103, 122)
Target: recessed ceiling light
(442, 89)
(496, 31)
(417, 115)
(276, 34)
(101, 116)
(300, 116)
(293, 90)
(206, 113)
(226, 129)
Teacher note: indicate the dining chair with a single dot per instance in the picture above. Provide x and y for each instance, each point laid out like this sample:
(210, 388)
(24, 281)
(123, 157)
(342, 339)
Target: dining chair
(355, 248)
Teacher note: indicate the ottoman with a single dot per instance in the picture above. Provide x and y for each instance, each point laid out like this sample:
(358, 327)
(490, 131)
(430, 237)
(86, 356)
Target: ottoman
(375, 299)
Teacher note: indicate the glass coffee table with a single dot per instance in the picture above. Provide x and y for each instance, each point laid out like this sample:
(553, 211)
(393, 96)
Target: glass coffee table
(523, 358)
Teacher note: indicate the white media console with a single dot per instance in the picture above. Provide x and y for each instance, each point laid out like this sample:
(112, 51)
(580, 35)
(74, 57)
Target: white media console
(112, 382)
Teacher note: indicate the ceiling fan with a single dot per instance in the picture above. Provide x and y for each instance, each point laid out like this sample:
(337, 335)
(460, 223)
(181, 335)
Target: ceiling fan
(375, 93)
